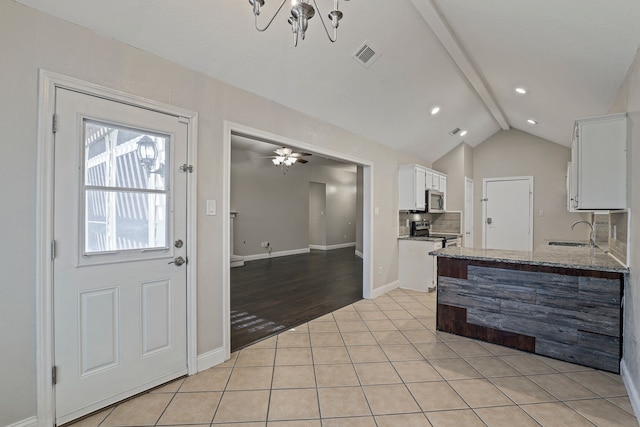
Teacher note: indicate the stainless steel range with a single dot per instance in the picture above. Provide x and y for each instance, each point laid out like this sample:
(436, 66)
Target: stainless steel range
(423, 229)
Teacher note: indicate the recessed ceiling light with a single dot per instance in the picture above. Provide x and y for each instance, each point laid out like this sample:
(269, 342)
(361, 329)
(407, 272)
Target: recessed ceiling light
(463, 133)
(435, 110)
(532, 122)
(521, 90)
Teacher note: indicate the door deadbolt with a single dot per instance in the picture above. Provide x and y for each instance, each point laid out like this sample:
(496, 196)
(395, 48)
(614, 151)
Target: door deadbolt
(178, 243)
(489, 220)
(178, 261)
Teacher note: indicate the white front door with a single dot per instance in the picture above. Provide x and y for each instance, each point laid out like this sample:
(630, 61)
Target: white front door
(119, 227)
(468, 212)
(508, 213)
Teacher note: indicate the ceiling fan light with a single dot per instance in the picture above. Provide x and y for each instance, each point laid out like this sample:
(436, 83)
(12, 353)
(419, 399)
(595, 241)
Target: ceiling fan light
(275, 161)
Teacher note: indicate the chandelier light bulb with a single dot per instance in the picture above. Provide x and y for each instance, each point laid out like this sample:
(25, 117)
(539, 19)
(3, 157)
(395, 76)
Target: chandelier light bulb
(301, 11)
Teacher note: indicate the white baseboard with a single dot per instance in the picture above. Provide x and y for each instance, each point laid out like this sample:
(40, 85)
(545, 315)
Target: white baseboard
(359, 254)
(29, 422)
(375, 293)
(331, 247)
(276, 254)
(210, 359)
(632, 390)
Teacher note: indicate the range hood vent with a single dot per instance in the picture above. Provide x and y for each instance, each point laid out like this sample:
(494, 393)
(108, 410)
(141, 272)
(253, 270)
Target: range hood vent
(366, 55)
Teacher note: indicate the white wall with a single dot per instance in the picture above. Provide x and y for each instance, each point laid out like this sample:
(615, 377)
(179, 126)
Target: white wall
(628, 100)
(30, 40)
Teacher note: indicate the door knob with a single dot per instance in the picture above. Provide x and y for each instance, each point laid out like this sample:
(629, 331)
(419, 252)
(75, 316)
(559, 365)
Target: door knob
(489, 220)
(178, 261)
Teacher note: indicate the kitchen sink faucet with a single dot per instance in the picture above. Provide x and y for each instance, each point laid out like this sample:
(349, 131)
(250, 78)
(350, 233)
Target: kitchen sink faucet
(592, 238)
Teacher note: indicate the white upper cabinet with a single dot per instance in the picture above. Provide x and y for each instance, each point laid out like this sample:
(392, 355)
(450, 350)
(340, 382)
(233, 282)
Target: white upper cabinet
(411, 188)
(413, 180)
(598, 171)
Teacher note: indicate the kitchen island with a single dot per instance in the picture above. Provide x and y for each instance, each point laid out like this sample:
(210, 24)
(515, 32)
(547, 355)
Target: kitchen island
(560, 302)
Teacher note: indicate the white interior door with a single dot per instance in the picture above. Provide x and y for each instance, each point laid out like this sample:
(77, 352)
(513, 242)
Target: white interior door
(468, 212)
(508, 213)
(119, 294)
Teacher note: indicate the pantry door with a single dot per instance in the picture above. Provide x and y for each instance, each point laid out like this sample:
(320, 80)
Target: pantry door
(508, 213)
(119, 275)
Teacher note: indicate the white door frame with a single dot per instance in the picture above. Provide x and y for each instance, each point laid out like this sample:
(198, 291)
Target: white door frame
(367, 211)
(470, 214)
(484, 205)
(48, 82)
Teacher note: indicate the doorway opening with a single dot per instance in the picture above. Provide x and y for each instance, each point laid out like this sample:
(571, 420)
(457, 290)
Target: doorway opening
(102, 130)
(272, 231)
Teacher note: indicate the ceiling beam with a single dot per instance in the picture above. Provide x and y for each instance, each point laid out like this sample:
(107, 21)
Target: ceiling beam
(449, 41)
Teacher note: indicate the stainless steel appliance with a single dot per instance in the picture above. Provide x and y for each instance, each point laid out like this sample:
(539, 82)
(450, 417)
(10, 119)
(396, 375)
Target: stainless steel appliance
(419, 228)
(435, 201)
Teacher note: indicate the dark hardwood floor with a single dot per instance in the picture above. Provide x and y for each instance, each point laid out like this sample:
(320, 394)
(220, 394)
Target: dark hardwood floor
(272, 295)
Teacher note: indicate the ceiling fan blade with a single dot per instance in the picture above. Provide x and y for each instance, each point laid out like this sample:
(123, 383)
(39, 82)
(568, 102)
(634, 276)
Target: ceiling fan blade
(298, 155)
(302, 161)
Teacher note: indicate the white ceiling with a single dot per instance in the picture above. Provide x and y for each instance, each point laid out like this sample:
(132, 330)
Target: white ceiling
(466, 56)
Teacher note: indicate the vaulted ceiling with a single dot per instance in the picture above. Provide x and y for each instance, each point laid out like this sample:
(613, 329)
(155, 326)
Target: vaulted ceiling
(465, 56)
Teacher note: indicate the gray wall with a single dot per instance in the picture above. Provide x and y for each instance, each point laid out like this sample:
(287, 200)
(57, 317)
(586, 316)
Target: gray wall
(341, 188)
(30, 40)
(271, 206)
(516, 153)
(274, 206)
(457, 164)
(317, 213)
(628, 99)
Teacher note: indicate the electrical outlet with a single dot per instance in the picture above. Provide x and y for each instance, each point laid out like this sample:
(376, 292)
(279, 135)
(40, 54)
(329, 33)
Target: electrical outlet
(380, 271)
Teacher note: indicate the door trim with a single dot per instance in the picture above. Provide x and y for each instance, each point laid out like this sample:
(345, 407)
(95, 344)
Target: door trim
(47, 84)
(484, 205)
(367, 212)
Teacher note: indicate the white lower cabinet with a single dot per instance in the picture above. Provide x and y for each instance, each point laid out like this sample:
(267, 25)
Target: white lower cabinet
(416, 268)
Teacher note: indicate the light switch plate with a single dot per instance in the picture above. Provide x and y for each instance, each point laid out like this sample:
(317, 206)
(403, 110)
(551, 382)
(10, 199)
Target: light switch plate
(211, 207)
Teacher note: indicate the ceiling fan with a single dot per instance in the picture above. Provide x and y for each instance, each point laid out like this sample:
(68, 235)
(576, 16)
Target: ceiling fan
(285, 157)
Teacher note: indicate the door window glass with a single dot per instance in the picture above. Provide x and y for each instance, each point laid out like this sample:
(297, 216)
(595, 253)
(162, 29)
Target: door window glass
(124, 188)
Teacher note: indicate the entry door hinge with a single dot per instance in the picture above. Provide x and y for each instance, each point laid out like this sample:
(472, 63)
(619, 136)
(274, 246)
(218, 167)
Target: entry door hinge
(484, 200)
(54, 375)
(186, 168)
(54, 124)
(53, 250)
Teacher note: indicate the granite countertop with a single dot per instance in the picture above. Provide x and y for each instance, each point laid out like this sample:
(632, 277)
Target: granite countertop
(429, 238)
(582, 258)
(421, 238)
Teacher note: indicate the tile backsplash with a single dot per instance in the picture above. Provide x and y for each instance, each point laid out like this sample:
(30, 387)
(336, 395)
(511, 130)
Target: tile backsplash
(618, 235)
(448, 222)
(601, 229)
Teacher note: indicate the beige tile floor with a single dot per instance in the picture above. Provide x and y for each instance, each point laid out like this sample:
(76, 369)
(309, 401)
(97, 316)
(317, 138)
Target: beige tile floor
(380, 363)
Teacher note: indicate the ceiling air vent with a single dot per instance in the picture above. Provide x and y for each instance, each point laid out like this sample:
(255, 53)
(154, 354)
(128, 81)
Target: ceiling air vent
(366, 55)
(454, 132)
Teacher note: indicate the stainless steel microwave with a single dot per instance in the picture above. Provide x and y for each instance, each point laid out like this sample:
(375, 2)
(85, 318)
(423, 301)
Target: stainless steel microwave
(435, 201)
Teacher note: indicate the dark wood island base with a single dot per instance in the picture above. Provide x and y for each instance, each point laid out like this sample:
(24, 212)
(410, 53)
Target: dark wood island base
(568, 314)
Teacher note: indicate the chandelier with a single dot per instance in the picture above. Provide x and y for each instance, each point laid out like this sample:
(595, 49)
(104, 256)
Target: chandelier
(301, 12)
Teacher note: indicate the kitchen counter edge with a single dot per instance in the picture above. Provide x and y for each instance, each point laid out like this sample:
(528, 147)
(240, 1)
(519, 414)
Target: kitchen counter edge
(576, 258)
